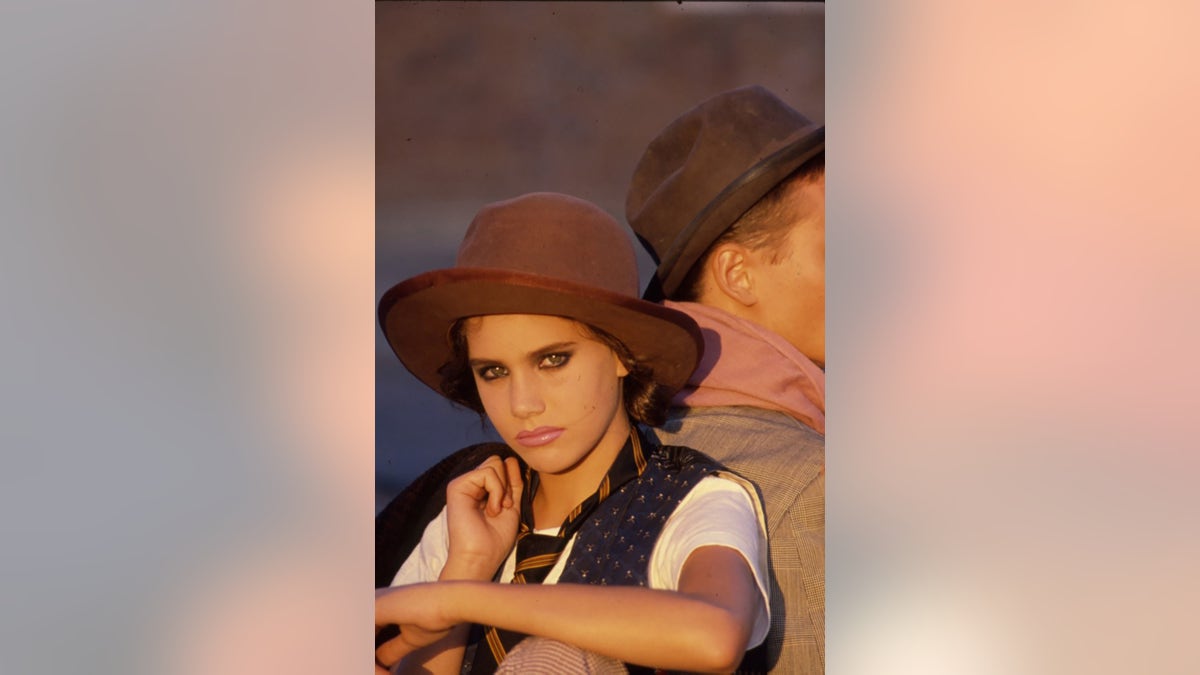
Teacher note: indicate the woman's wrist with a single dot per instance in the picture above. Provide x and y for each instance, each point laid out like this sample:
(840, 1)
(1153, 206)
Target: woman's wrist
(449, 600)
(468, 569)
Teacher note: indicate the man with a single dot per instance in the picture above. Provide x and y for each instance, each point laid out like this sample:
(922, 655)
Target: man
(729, 200)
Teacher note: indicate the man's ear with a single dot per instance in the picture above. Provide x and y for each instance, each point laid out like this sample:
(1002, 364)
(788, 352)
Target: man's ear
(730, 271)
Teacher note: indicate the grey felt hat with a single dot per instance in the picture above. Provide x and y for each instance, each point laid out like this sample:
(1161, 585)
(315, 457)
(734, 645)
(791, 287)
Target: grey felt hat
(707, 168)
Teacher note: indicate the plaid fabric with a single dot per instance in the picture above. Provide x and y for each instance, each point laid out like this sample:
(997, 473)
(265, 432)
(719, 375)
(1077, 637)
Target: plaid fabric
(540, 655)
(785, 459)
(537, 553)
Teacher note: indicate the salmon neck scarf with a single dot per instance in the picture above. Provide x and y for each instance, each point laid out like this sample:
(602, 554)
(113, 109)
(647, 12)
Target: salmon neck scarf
(746, 364)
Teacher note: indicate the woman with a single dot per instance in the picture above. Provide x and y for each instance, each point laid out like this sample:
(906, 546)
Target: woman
(650, 556)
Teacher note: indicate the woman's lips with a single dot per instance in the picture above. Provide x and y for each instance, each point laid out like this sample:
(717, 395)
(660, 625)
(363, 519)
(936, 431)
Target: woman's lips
(539, 436)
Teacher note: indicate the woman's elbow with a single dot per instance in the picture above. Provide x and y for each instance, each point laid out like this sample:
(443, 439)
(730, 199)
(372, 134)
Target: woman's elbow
(723, 648)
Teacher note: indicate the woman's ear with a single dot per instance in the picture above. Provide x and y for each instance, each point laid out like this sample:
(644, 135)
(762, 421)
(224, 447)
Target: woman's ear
(622, 371)
(730, 271)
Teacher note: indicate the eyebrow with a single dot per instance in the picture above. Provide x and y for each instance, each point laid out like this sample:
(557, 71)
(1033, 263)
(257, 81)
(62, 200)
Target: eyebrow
(534, 355)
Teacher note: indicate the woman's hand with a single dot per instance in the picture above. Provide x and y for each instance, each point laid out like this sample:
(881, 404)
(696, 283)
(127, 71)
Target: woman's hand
(483, 509)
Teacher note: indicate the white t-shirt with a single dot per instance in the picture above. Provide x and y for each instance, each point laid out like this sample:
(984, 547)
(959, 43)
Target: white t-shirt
(717, 512)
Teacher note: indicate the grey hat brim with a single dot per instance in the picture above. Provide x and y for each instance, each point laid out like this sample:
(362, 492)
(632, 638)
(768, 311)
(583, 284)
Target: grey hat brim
(729, 205)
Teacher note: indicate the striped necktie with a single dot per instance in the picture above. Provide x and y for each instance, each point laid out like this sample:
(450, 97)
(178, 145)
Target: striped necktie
(537, 553)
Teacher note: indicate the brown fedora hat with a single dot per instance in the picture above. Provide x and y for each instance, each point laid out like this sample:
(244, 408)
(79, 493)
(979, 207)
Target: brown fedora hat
(707, 168)
(540, 253)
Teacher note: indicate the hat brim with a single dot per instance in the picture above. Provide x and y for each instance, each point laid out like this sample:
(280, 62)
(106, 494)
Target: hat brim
(416, 316)
(731, 203)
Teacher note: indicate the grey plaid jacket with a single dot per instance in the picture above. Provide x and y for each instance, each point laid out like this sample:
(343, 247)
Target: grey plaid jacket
(785, 459)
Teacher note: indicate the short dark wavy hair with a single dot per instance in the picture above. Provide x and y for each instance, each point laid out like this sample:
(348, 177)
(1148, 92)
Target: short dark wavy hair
(765, 225)
(646, 400)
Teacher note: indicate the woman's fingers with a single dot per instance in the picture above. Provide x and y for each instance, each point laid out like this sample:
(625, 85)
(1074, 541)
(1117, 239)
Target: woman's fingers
(488, 485)
(410, 639)
(496, 483)
(516, 484)
(390, 652)
(384, 659)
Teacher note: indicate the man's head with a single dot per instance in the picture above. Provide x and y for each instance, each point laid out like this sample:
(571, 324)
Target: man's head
(769, 267)
(730, 201)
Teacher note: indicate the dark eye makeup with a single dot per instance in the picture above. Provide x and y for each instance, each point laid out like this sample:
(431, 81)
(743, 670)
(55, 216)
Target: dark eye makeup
(555, 360)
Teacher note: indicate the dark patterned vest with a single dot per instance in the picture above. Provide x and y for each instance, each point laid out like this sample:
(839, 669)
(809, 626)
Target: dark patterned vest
(615, 547)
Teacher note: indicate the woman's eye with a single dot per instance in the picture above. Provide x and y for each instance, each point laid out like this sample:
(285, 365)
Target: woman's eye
(491, 372)
(555, 360)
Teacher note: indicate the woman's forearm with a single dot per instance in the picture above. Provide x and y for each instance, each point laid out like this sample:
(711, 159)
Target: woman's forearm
(705, 626)
(445, 655)
(663, 629)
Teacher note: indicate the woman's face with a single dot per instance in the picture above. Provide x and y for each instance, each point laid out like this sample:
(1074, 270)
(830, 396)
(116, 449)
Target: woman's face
(552, 391)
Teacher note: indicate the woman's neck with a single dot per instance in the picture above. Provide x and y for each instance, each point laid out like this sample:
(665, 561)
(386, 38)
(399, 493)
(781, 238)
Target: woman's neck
(558, 494)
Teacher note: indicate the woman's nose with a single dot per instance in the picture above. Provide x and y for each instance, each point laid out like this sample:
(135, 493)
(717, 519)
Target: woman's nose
(525, 396)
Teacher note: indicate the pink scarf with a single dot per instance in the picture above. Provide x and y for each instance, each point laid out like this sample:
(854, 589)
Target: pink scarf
(756, 368)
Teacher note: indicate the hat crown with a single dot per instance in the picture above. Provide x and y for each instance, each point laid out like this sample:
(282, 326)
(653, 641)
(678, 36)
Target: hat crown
(555, 236)
(542, 253)
(694, 169)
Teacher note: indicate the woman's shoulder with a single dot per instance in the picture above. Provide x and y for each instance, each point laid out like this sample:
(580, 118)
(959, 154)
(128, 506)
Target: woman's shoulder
(691, 466)
(695, 481)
